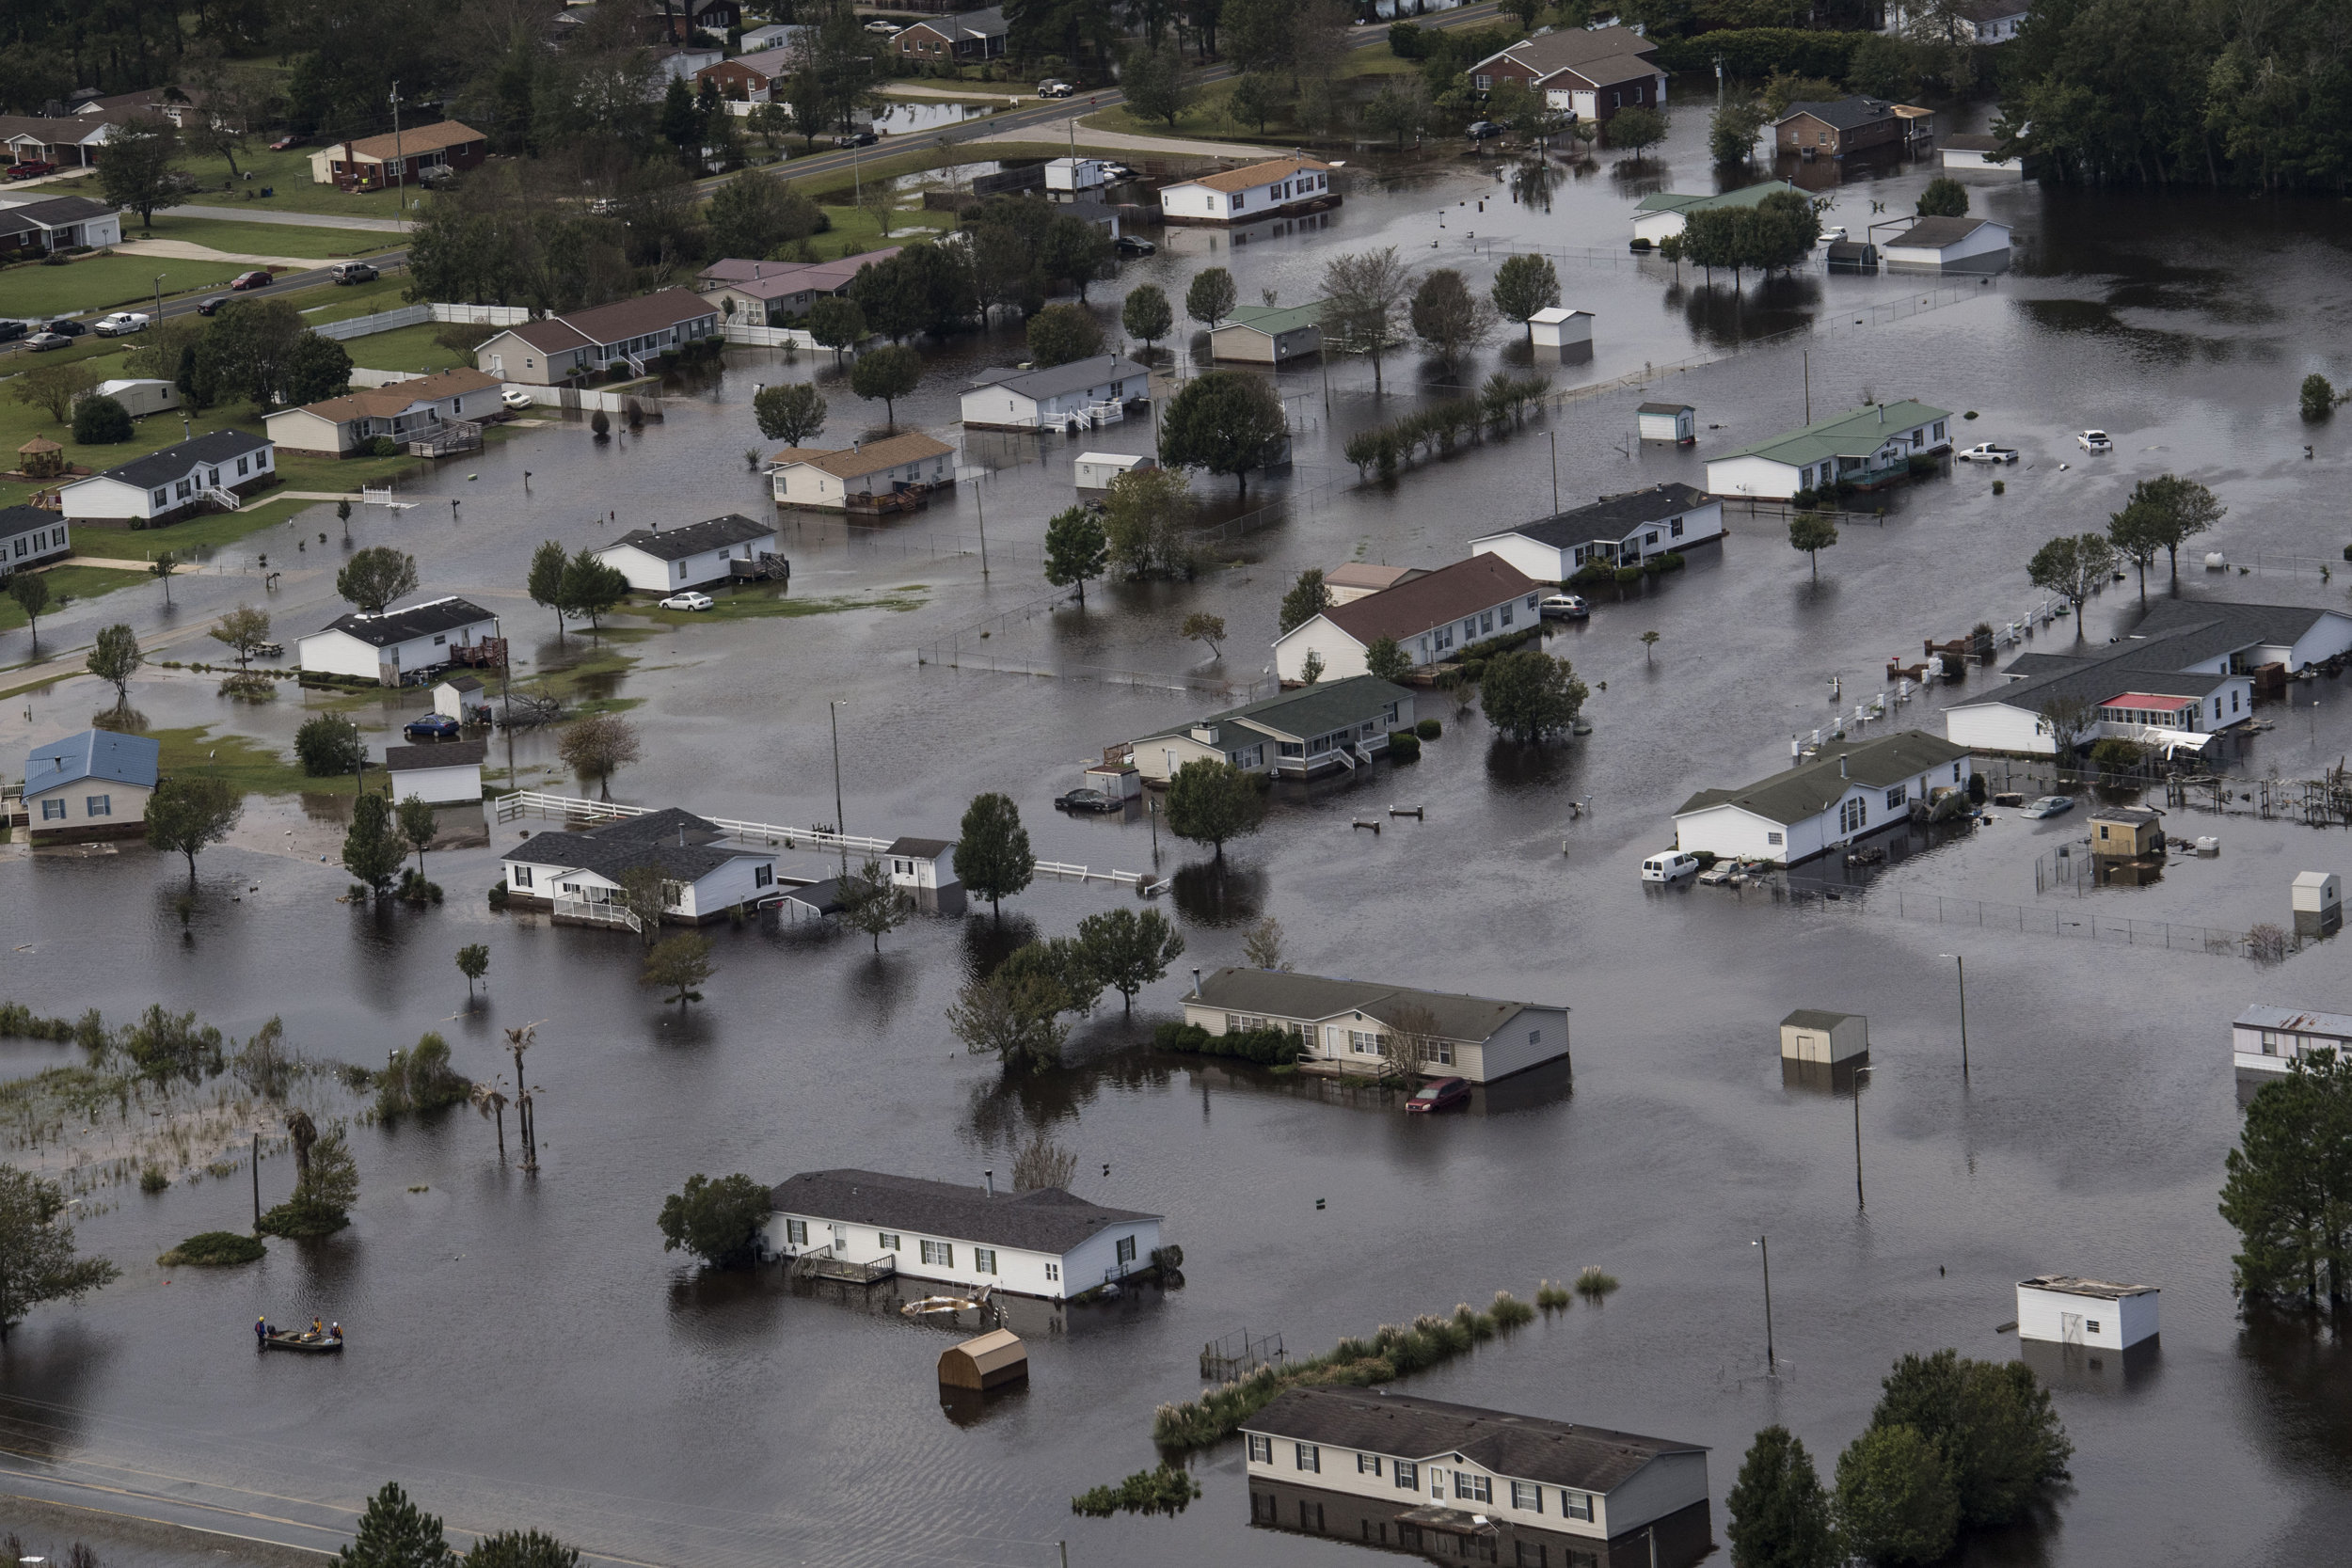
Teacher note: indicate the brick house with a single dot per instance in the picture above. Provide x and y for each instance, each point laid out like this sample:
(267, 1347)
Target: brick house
(1834, 129)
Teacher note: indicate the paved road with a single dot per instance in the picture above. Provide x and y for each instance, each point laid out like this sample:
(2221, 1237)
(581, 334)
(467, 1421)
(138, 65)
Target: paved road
(310, 278)
(298, 220)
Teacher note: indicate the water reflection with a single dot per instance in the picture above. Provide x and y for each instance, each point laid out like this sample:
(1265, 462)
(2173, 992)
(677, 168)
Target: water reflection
(1005, 1109)
(1518, 769)
(1533, 181)
(1453, 1536)
(1218, 893)
(2090, 318)
(1724, 314)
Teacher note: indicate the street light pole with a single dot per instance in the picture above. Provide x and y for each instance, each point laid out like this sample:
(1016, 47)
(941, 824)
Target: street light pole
(1961, 969)
(1858, 1073)
(159, 294)
(1555, 470)
(841, 818)
(1772, 1362)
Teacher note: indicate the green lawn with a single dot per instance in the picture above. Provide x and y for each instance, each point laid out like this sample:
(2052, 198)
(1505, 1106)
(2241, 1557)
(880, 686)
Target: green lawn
(106, 282)
(767, 601)
(288, 173)
(854, 229)
(267, 239)
(80, 582)
(405, 348)
(346, 300)
(248, 767)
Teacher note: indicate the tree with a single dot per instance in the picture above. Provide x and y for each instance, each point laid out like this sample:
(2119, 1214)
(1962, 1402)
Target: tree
(1210, 802)
(101, 422)
(2178, 510)
(589, 589)
(37, 1257)
(372, 848)
(1016, 1019)
(1060, 334)
(185, 815)
(1524, 285)
(1731, 133)
(596, 746)
(1812, 533)
(474, 962)
(1062, 961)
(55, 387)
(330, 746)
(1649, 640)
(1146, 314)
(1257, 97)
(992, 857)
(544, 581)
(2137, 532)
(2070, 567)
(1448, 317)
(114, 659)
(888, 375)
(395, 1533)
(1945, 197)
(1262, 945)
(678, 964)
(1636, 129)
(512, 1548)
(1384, 660)
(717, 1220)
(1363, 295)
(325, 1187)
(376, 575)
(1226, 421)
(1400, 109)
(2001, 1441)
(1894, 1497)
(249, 350)
(792, 413)
(1040, 1164)
(138, 171)
(755, 214)
(30, 589)
(2318, 397)
(1128, 951)
(1210, 298)
(1529, 695)
(242, 630)
(1780, 1516)
(2288, 1193)
(836, 324)
(317, 369)
(872, 903)
(417, 825)
(1145, 513)
(1076, 548)
(1202, 626)
(1308, 599)
(2067, 719)
(1156, 84)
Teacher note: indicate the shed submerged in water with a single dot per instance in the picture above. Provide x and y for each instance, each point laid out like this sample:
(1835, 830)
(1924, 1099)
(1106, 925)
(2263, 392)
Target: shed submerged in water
(990, 1361)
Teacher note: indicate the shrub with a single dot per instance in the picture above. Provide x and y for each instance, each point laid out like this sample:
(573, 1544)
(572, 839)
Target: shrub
(1626, 577)
(1429, 728)
(1594, 1283)
(328, 746)
(18, 1022)
(215, 1250)
(499, 895)
(1509, 1311)
(1553, 1297)
(101, 422)
(1404, 746)
(2000, 487)
(1641, 245)
(383, 446)
(154, 1179)
(1166, 1490)
(1269, 1047)
(1921, 464)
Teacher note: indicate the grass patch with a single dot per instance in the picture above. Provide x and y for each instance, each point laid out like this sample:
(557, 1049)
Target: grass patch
(267, 239)
(288, 173)
(20, 421)
(246, 764)
(82, 583)
(405, 348)
(767, 604)
(855, 229)
(108, 282)
(215, 1250)
(346, 300)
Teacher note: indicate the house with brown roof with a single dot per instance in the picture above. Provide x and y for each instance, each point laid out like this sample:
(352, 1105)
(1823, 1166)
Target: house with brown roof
(1361, 580)
(1245, 195)
(1591, 74)
(1428, 616)
(400, 157)
(403, 412)
(553, 351)
(807, 476)
(69, 141)
(952, 39)
(777, 294)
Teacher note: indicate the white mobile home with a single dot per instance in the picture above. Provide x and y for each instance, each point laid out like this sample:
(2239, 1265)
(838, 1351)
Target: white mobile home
(1664, 213)
(837, 480)
(2265, 1040)
(139, 396)
(442, 774)
(32, 536)
(1243, 195)
(1350, 1026)
(1094, 470)
(1428, 616)
(2065, 1310)
(1869, 446)
(1947, 244)
(1849, 790)
(1097, 390)
(211, 470)
(398, 643)
(1615, 531)
(581, 877)
(924, 869)
(1043, 1243)
(1330, 727)
(1974, 154)
(663, 560)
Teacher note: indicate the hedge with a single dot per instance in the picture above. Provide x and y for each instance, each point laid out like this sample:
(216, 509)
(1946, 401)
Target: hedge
(1269, 1047)
(1755, 53)
(1404, 746)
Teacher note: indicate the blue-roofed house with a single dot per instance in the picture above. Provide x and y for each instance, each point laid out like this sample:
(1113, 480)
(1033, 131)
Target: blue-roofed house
(90, 785)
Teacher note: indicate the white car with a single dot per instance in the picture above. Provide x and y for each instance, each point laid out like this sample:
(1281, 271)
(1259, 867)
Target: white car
(885, 28)
(1050, 89)
(119, 324)
(687, 600)
(1565, 607)
(2093, 440)
(2048, 806)
(1672, 867)
(1986, 451)
(515, 398)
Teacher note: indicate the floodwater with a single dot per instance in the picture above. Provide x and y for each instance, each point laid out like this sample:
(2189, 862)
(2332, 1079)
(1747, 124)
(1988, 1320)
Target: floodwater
(523, 1353)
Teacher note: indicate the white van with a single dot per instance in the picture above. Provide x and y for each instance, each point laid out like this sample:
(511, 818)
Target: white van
(1672, 867)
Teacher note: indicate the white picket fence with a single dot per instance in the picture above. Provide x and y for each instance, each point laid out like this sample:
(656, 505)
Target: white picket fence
(768, 336)
(417, 315)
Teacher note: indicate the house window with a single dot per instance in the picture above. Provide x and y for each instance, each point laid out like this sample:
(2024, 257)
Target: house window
(1772, 838)
(1387, 715)
(1261, 1449)
(1531, 1554)
(1955, 773)
(518, 876)
(1309, 1457)
(242, 462)
(1470, 1488)
(1261, 1507)
(52, 811)
(1577, 1505)
(1482, 81)
(99, 805)
(1650, 538)
(1363, 1042)
(1852, 814)
(983, 1259)
(1310, 1516)
(2092, 1324)
(1126, 1249)
(1506, 614)
(1290, 747)
(1408, 1475)
(1896, 796)
(1674, 529)
(796, 1232)
(1442, 1054)
(158, 496)
(886, 1240)
(763, 875)
(1053, 1271)
(939, 1253)
(1486, 621)
(1367, 1463)
(1527, 1496)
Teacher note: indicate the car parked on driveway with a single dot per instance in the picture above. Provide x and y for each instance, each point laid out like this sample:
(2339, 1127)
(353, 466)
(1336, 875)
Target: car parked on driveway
(2048, 806)
(1088, 800)
(1986, 451)
(2093, 440)
(515, 399)
(258, 279)
(433, 726)
(1438, 1094)
(41, 342)
(121, 323)
(689, 599)
(31, 168)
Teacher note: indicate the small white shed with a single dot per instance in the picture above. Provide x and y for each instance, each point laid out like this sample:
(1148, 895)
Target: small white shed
(2318, 899)
(446, 773)
(2067, 1310)
(1096, 469)
(1074, 174)
(1808, 1036)
(1564, 331)
(926, 869)
(140, 397)
(459, 698)
(1667, 422)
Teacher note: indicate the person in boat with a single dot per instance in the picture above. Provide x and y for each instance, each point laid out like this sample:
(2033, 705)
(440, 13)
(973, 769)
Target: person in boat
(261, 1331)
(318, 1329)
(335, 1332)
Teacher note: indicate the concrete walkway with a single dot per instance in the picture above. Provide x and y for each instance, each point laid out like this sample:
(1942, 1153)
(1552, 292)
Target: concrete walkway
(188, 250)
(296, 220)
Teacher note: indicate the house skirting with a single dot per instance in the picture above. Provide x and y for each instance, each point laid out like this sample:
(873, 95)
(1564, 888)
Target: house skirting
(537, 905)
(1287, 210)
(136, 827)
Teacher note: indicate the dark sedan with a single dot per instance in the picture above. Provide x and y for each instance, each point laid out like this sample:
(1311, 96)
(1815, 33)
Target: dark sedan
(210, 305)
(1440, 1094)
(245, 280)
(66, 327)
(1088, 800)
(433, 726)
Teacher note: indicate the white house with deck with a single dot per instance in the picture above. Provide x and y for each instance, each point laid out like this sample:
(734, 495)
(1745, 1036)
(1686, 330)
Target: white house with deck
(1848, 790)
(1615, 531)
(582, 875)
(1245, 195)
(1427, 616)
(1330, 727)
(833, 479)
(663, 560)
(397, 643)
(1347, 1026)
(216, 469)
(1097, 390)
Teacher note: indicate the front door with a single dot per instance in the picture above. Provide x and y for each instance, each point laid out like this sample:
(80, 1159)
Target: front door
(1812, 1047)
(840, 1240)
(2071, 1328)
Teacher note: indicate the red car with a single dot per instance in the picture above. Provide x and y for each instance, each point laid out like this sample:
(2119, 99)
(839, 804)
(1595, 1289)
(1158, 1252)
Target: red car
(245, 281)
(283, 143)
(31, 168)
(1440, 1094)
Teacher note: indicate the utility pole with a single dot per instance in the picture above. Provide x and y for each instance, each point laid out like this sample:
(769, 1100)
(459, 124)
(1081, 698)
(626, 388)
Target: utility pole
(983, 504)
(1808, 386)
(1555, 470)
(1772, 1363)
(400, 169)
(841, 818)
(1961, 969)
(159, 301)
(257, 1181)
(1858, 1073)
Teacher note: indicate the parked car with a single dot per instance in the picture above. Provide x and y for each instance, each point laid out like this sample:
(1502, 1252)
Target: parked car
(433, 726)
(1050, 89)
(211, 304)
(1088, 800)
(1129, 246)
(31, 168)
(1438, 1094)
(2093, 440)
(66, 327)
(1672, 867)
(245, 281)
(885, 28)
(1565, 607)
(515, 398)
(689, 599)
(13, 330)
(1720, 874)
(1985, 451)
(41, 342)
(352, 272)
(121, 323)
(1482, 130)
(2048, 806)
(285, 144)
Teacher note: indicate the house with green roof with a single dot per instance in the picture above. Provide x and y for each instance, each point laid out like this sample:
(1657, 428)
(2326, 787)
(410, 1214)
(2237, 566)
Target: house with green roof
(1270, 334)
(1869, 446)
(1848, 790)
(1662, 212)
(1329, 727)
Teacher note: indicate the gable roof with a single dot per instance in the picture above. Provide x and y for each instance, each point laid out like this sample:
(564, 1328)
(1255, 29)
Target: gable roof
(550, 336)
(1046, 1219)
(1445, 594)
(1250, 176)
(383, 403)
(867, 457)
(99, 755)
(1612, 516)
(1281, 993)
(633, 318)
(1969, 141)
(1664, 408)
(1308, 711)
(1935, 233)
(966, 25)
(1568, 46)
(2301, 1020)
(1527, 1447)
(444, 753)
(1371, 575)
(920, 849)
(1854, 434)
(1273, 320)
(1683, 201)
(173, 462)
(1607, 71)
(411, 141)
(666, 824)
(1813, 1017)
(25, 519)
(56, 213)
(677, 842)
(676, 544)
(399, 625)
(775, 279)
(1055, 380)
(1844, 114)
(1813, 787)
(2155, 657)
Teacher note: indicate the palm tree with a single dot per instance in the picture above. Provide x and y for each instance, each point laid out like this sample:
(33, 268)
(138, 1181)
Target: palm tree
(518, 1040)
(490, 1100)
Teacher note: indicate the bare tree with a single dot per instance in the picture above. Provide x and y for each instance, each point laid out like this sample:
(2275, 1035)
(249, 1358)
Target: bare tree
(1262, 945)
(1364, 298)
(1411, 1039)
(1042, 1163)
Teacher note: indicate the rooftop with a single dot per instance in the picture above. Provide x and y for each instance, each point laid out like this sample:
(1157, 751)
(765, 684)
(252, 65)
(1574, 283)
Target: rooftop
(870, 457)
(1281, 993)
(2157, 656)
(1811, 1017)
(446, 753)
(1365, 574)
(775, 279)
(24, 519)
(1567, 46)
(663, 840)
(1527, 1447)
(1056, 379)
(920, 849)
(93, 754)
(1308, 711)
(1275, 319)
(1843, 113)
(2075, 1285)
(1935, 233)
(1445, 594)
(173, 462)
(965, 25)
(713, 534)
(1969, 141)
(411, 141)
(2301, 1021)
(383, 403)
(1679, 202)
(1250, 176)
(634, 318)
(1045, 1220)
(1813, 787)
(56, 211)
(401, 626)
(1857, 433)
(1611, 516)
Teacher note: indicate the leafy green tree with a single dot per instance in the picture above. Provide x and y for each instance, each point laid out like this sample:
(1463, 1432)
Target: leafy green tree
(330, 746)
(100, 421)
(1066, 961)
(1210, 801)
(887, 374)
(60, 383)
(1076, 548)
(1780, 1516)
(1156, 84)
(1636, 129)
(1202, 626)
(512, 1548)
(717, 1220)
(1128, 951)
(2001, 1441)
(325, 1188)
(2288, 1193)
(185, 815)
(1258, 97)
(1226, 421)
(1529, 695)
(249, 351)
(2072, 566)
(30, 591)
(1308, 599)
(678, 964)
(1079, 253)
(755, 214)
(316, 369)
(1448, 317)
(140, 170)
(1731, 133)
(2318, 397)
(417, 825)
(1895, 1498)
(474, 962)
(1812, 533)
(992, 857)
(1384, 660)
(682, 123)
(38, 1262)
(836, 324)
(589, 589)
(2178, 510)
(1016, 1017)
(395, 1533)
(1399, 109)
(1524, 285)
(242, 630)
(2137, 534)
(1210, 298)
(544, 581)
(1146, 314)
(1061, 334)
(372, 849)
(875, 905)
(792, 413)
(1945, 197)
(374, 577)
(1145, 513)
(114, 659)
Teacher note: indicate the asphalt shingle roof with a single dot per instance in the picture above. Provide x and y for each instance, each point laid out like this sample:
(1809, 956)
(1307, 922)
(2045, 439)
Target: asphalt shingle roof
(1281, 993)
(1855, 435)
(1045, 1220)
(1611, 516)
(1935, 233)
(96, 755)
(1526, 1448)
(25, 519)
(613, 849)
(1055, 380)
(399, 626)
(1311, 710)
(1445, 594)
(1812, 1018)
(1845, 114)
(1273, 320)
(173, 462)
(56, 213)
(713, 534)
(444, 753)
(1812, 787)
(1682, 201)
(2155, 657)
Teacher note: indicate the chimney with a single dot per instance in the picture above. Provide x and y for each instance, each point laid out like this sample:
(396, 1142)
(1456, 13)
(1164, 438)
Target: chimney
(989, 1178)
(1196, 982)
(1841, 766)
(1882, 413)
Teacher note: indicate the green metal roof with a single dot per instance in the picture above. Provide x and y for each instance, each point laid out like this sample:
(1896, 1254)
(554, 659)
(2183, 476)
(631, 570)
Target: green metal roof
(1812, 787)
(1679, 201)
(1309, 711)
(1855, 435)
(1273, 320)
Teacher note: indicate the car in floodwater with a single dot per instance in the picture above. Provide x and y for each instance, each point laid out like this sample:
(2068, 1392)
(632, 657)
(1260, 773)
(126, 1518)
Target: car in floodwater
(1088, 800)
(1672, 867)
(1438, 1094)
(2048, 806)
(433, 726)
(2093, 440)
(1565, 607)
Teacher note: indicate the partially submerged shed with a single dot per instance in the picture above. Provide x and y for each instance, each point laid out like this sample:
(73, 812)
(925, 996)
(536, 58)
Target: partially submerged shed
(990, 1361)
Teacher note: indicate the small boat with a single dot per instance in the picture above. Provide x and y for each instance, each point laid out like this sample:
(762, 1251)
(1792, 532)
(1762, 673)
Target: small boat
(315, 1345)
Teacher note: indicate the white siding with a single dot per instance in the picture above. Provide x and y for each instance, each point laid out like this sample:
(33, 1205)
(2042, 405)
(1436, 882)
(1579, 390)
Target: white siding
(1542, 562)
(1732, 831)
(1024, 1272)
(1537, 1036)
(2042, 1314)
(110, 498)
(1343, 655)
(1998, 727)
(440, 785)
(651, 574)
(1667, 1484)
(339, 653)
(1753, 476)
(736, 882)
(1985, 241)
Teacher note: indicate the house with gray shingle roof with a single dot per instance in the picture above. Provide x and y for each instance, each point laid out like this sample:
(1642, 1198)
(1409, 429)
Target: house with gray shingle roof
(1002, 399)
(1845, 125)
(1351, 1027)
(1869, 446)
(663, 560)
(580, 877)
(1615, 531)
(1847, 791)
(1330, 727)
(217, 468)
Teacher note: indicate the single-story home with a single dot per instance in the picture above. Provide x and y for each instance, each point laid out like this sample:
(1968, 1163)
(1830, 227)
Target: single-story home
(399, 644)
(1848, 790)
(1244, 195)
(32, 536)
(1001, 399)
(1977, 154)
(748, 78)
(1351, 1027)
(662, 561)
(91, 785)
(447, 772)
(549, 352)
(811, 476)
(2186, 672)
(581, 876)
(1451, 1480)
(1330, 727)
(1666, 421)
(1093, 471)
(977, 35)
(1616, 531)
(1268, 334)
(214, 469)
(1663, 213)
(60, 223)
(677, 63)
(403, 411)
(1042, 1242)
(2267, 1041)
(1834, 129)
(773, 35)
(1428, 616)
(139, 395)
(1360, 579)
(1869, 446)
(1589, 73)
(776, 293)
(372, 163)
(69, 141)
(1963, 20)
(1947, 244)
(924, 868)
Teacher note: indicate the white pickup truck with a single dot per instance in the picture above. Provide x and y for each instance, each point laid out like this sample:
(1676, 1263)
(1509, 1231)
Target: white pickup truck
(1987, 451)
(121, 322)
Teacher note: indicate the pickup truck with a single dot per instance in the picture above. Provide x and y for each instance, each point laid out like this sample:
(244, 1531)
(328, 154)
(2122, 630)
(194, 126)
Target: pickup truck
(1987, 451)
(119, 322)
